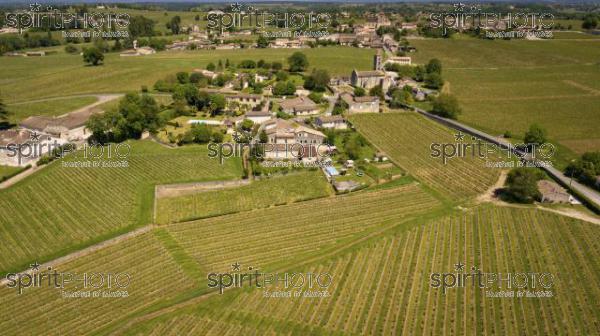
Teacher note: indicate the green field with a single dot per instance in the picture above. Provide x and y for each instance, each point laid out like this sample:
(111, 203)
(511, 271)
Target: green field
(28, 78)
(259, 194)
(170, 264)
(406, 139)
(379, 246)
(62, 208)
(508, 85)
(384, 288)
(155, 277)
(54, 107)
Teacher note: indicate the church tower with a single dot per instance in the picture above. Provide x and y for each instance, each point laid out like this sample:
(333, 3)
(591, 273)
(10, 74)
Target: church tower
(377, 60)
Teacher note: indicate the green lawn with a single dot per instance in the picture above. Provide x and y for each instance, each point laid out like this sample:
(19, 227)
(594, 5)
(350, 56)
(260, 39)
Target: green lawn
(48, 108)
(27, 78)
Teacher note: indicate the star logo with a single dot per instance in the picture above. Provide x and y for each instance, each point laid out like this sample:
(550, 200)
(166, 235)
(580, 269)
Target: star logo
(236, 267)
(459, 136)
(35, 7)
(35, 136)
(35, 266)
(459, 267)
(236, 7)
(459, 7)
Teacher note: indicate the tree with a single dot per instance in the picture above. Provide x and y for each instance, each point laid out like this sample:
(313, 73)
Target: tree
(217, 137)
(3, 112)
(247, 64)
(210, 66)
(376, 90)
(135, 114)
(359, 92)
(201, 133)
(317, 81)
(262, 137)
(216, 104)
(419, 73)
(535, 135)
(281, 76)
(93, 56)
(220, 65)
(298, 62)
(284, 88)
(434, 81)
(247, 125)
(434, 66)
(196, 77)
(227, 63)
(140, 26)
(446, 106)
(175, 24)
(183, 77)
(590, 22)
(262, 42)
(276, 66)
(522, 185)
(400, 98)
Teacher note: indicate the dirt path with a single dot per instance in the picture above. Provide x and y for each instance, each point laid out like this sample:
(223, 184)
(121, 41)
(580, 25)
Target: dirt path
(181, 189)
(582, 87)
(101, 100)
(99, 96)
(490, 194)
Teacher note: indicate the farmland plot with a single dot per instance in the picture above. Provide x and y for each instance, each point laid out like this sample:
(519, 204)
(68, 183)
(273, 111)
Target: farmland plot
(154, 276)
(259, 194)
(280, 234)
(384, 288)
(60, 208)
(407, 138)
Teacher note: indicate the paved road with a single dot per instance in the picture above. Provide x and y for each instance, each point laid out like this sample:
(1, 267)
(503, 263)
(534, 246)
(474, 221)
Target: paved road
(591, 195)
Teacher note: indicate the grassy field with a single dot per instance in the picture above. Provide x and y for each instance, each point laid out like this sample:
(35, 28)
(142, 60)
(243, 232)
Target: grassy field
(508, 85)
(53, 107)
(383, 288)
(259, 194)
(61, 208)
(406, 138)
(28, 78)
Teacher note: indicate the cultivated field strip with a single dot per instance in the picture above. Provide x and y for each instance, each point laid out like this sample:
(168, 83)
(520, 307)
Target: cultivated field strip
(43, 310)
(261, 237)
(407, 138)
(60, 207)
(259, 194)
(384, 288)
